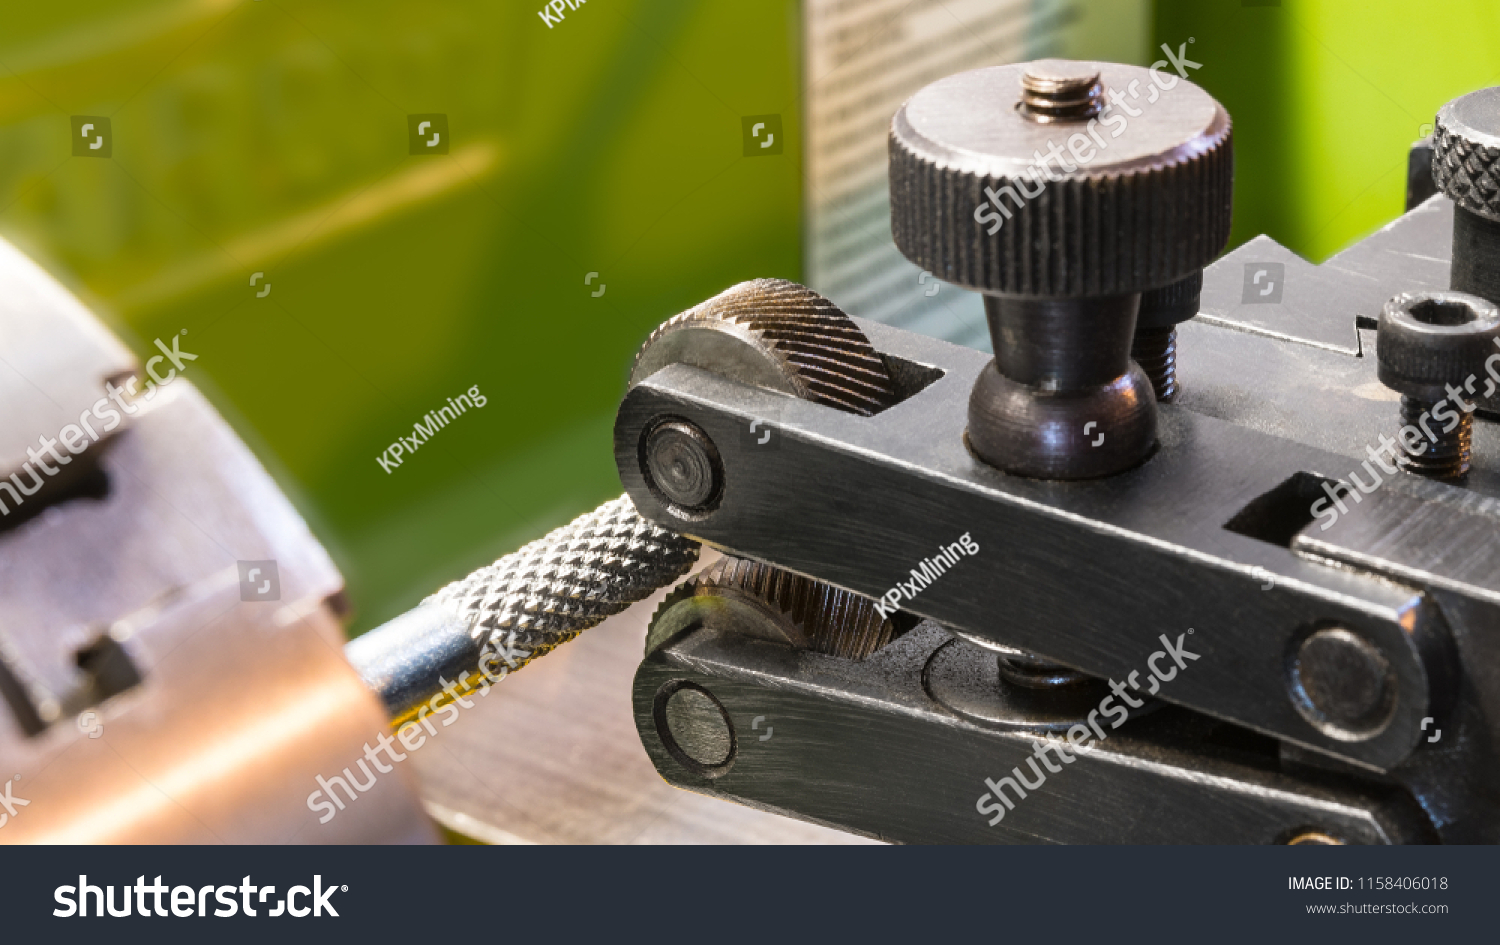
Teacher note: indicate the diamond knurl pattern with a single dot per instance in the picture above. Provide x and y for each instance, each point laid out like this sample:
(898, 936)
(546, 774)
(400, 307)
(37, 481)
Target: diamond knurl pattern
(1468, 172)
(549, 591)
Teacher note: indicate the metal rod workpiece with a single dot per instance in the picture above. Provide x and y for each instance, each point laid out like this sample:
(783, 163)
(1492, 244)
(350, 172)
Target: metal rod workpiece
(503, 616)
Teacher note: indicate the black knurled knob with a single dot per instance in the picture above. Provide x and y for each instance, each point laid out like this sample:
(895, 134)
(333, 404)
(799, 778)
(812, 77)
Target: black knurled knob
(1466, 167)
(1062, 191)
(1466, 152)
(1149, 207)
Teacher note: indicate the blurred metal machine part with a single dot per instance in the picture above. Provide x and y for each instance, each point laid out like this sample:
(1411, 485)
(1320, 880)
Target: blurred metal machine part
(151, 696)
(57, 366)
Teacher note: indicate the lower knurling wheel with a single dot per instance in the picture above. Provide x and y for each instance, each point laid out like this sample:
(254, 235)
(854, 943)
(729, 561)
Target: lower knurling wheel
(833, 621)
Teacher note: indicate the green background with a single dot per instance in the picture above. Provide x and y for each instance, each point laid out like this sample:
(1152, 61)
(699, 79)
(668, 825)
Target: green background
(271, 136)
(1327, 98)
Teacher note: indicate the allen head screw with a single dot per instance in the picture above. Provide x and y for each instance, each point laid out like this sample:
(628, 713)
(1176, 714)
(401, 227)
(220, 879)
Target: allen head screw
(1430, 347)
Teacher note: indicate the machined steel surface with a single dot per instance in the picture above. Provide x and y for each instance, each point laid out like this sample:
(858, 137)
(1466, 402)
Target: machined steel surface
(862, 745)
(1300, 363)
(1424, 534)
(901, 484)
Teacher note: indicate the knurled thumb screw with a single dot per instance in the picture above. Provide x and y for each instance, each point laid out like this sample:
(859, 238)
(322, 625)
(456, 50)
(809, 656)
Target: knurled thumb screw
(1466, 167)
(1062, 191)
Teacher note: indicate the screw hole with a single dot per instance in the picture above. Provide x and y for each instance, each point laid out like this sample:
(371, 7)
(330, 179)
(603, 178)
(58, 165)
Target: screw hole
(1442, 314)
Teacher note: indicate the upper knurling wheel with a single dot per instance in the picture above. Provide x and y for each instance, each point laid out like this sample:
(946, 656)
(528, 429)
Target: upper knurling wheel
(779, 335)
(1148, 208)
(1466, 157)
